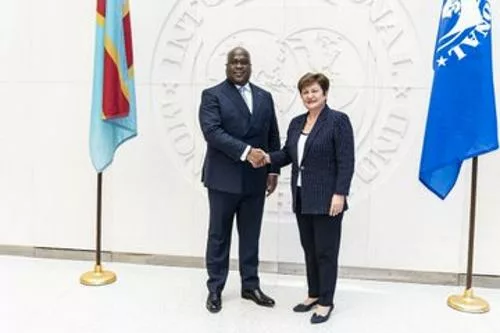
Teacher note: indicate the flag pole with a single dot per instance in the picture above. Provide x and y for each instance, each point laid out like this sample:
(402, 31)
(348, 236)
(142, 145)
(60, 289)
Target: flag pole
(468, 302)
(98, 277)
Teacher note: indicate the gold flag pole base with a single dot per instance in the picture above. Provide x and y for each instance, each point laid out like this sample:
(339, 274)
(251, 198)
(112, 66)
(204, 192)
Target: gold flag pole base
(468, 303)
(97, 277)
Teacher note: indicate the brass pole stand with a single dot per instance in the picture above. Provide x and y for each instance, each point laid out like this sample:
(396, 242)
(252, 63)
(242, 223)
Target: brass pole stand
(468, 302)
(98, 277)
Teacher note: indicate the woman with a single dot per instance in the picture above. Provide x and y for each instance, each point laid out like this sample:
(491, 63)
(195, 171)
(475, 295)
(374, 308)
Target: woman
(320, 146)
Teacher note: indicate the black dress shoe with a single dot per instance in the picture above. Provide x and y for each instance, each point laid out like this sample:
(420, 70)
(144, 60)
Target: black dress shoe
(318, 319)
(301, 307)
(258, 297)
(214, 302)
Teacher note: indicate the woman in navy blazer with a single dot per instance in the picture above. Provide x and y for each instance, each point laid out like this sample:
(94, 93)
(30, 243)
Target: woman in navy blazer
(320, 147)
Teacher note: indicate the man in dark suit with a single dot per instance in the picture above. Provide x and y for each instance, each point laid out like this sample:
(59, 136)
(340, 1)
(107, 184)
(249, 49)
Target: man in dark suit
(237, 119)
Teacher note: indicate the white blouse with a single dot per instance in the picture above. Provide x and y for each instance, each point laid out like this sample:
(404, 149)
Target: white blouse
(300, 154)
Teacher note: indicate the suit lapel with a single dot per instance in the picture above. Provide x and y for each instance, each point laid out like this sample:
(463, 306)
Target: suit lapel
(256, 98)
(234, 95)
(315, 130)
(256, 109)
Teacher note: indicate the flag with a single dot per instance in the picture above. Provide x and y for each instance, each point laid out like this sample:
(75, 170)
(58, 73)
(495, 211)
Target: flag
(113, 116)
(461, 121)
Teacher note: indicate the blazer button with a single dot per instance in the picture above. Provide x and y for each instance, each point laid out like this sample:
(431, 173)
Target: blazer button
(302, 168)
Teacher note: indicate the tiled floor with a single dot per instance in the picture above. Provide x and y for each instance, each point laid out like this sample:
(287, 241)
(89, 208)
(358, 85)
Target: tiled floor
(41, 295)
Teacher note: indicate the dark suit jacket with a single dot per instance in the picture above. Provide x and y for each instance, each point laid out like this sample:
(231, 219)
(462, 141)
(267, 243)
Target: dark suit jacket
(328, 162)
(228, 127)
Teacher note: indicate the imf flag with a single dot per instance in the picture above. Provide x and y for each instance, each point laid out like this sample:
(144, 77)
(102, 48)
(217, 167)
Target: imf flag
(113, 118)
(461, 122)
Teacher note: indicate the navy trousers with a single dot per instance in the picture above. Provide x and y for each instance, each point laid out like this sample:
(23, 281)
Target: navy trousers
(248, 210)
(320, 240)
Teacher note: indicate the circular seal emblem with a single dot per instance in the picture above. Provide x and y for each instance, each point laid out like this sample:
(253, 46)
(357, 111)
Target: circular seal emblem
(366, 47)
(464, 24)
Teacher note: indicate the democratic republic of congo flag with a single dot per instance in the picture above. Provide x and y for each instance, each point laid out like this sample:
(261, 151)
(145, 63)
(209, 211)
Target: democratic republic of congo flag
(113, 117)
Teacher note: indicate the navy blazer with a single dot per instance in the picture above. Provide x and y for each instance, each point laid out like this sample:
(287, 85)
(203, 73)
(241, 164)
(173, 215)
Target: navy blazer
(228, 127)
(328, 161)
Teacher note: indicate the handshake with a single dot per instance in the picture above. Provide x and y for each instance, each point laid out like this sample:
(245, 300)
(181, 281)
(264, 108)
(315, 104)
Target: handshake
(258, 158)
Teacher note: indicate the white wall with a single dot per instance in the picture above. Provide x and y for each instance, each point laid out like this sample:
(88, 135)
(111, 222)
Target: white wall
(378, 54)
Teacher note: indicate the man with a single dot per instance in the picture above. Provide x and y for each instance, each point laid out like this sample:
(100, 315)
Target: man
(238, 122)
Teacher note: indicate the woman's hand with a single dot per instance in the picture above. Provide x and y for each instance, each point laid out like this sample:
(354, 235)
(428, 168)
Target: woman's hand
(337, 204)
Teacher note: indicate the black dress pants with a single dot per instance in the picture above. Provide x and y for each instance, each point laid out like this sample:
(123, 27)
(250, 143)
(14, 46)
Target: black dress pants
(248, 209)
(320, 239)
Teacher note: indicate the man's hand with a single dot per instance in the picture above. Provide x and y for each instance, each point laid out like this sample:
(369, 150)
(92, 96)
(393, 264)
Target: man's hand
(257, 157)
(272, 182)
(337, 204)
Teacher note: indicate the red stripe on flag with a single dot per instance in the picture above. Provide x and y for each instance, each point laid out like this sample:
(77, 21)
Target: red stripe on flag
(101, 7)
(114, 103)
(127, 31)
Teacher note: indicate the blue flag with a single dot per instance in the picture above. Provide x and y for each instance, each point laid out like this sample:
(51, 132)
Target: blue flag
(461, 122)
(113, 118)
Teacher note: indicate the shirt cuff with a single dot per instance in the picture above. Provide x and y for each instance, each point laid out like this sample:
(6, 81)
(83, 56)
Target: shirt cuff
(245, 153)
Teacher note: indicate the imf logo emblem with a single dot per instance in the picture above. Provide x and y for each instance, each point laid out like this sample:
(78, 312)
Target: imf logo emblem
(464, 24)
(371, 61)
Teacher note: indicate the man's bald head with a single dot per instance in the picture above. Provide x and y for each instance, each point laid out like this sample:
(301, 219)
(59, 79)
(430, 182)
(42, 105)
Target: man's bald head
(238, 66)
